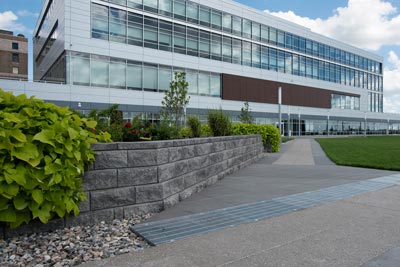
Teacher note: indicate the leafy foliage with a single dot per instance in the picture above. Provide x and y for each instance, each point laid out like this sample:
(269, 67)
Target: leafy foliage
(164, 131)
(245, 114)
(205, 130)
(175, 99)
(43, 149)
(220, 123)
(270, 134)
(194, 125)
(185, 132)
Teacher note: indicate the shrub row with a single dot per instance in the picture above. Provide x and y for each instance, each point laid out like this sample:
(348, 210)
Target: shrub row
(270, 134)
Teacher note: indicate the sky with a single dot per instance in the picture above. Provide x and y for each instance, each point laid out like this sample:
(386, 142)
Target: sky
(373, 25)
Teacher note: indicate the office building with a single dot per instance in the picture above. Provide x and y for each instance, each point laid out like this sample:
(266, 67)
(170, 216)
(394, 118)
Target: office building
(126, 51)
(13, 56)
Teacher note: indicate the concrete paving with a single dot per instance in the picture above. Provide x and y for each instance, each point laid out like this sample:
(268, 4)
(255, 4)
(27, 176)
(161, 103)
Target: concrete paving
(356, 231)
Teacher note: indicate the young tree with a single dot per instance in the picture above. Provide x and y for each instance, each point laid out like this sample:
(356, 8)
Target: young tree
(245, 114)
(176, 99)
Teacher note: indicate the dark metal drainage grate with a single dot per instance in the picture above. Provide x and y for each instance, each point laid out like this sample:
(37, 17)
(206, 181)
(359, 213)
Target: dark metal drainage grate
(170, 230)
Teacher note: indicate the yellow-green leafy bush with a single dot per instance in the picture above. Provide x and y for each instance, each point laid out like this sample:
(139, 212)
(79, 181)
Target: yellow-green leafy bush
(269, 133)
(43, 151)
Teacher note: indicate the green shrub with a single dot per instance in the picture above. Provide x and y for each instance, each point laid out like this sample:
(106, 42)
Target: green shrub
(164, 131)
(185, 132)
(194, 125)
(220, 123)
(270, 134)
(205, 130)
(43, 151)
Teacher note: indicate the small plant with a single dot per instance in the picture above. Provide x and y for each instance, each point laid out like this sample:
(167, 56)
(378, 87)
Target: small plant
(245, 114)
(164, 131)
(194, 125)
(205, 130)
(43, 150)
(220, 123)
(269, 133)
(185, 132)
(175, 99)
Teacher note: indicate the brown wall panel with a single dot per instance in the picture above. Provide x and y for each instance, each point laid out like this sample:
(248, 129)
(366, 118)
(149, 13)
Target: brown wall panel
(256, 90)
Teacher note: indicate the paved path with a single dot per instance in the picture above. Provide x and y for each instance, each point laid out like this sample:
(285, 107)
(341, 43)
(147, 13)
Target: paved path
(359, 231)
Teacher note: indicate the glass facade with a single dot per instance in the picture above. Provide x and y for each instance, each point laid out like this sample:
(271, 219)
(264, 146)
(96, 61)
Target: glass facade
(345, 102)
(103, 71)
(204, 32)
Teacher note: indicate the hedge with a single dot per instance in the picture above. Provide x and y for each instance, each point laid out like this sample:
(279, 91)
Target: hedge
(269, 133)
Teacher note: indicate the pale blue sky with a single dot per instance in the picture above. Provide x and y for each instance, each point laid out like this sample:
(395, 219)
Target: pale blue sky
(333, 18)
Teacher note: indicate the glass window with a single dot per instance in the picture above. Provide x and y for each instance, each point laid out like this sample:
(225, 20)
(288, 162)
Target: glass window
(216, 19)
(296, 67)
(288, 63)
(191, 78)
(315, 69)
(179, 39)
(227, 49)
(164, 78)
(150, 34)
(215, 88)
(281, 39)
(227, 22)
(204, 83)
(150, 77)
(204, 44)
(264, 57)
(273, 59)
(236, 51)
(246, 53)
(281, 61)
(288, 41)
(205, 16)
(192, 12)
(165, 36)
(246, 28)
(135, 29)
(302, 45)
(264, 34)
(237, 25)
(165, 7)
(80, 69)
(138, 4)
(315, 48)
(308, 67)
(151, 5)
(99, 22)
(192, 41)
(15, 57)
(309, 47)
(134, 76)
(179, 9)
(99, 72)
(14, 46)
(118, 2)
(296, 43)
(117, 25)
(255, 31)
(118, 74)
(256, 56)
(216, 46)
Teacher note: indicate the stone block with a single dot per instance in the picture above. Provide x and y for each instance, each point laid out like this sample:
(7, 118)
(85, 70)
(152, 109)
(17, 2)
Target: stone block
(218, 146)
(149, 193)
(202, 174)
(119, 213)
(111, 159)
(216, 157)
(110, 198)
(202, 149)
(198, 163)
(173, 186)
(104, 146)
(35, 226)
(99, 179)
(90, 218)
(180, 153)
(172, 170)
(190, 179)
(141, 209)
(150, 157)
(144, 145)
(171, 201)
(137, 176)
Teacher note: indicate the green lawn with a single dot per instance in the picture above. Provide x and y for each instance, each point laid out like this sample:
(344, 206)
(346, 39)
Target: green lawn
(377, 152)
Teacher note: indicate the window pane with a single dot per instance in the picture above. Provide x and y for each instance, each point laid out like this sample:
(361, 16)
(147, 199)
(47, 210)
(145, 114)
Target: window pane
(256, 56)
(227, 22)
(138, 4)
(264, 33)
(205, 16)
(216, 46)
(191, 78)
(204, 83)
(216, 19)
(246, 53)
(118, 75)
(135, 29)
(99, 72)
(281, 38)
(80, 68)
(236, 51)
(99, 22)
(150, 78)
(288, 63)
(204, 44)
(237, 26)
(164, 78)
(215, 89)
(192, 12)
(272, 35)
(246, 28)
(255, 31)
(134, 77)
(151, 5)
(165, 36)
(165, 7)
(179, 9)
(117, 25)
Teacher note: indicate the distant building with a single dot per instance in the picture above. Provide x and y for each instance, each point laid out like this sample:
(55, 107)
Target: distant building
(13, 56)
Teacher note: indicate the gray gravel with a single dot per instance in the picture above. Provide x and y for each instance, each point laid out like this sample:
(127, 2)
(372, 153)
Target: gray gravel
(72, 246)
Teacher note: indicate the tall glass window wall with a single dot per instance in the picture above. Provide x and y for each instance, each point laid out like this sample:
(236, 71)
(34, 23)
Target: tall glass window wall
(116, 25)
(345, 102)
(103, 71)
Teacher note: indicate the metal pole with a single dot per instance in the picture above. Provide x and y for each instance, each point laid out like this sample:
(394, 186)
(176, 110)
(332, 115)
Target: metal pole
(289, 126)
(299, 125)
(327, 133)
(387, 129)
(365, 124)
(280, 111)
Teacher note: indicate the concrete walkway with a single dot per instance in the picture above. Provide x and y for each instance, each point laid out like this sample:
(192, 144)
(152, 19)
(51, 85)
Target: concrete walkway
(358, 231)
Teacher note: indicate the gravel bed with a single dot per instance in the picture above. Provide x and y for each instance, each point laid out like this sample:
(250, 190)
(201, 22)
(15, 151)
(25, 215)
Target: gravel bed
(72, 246)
